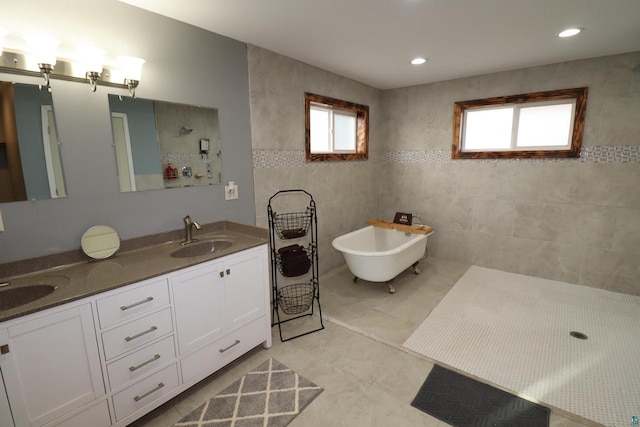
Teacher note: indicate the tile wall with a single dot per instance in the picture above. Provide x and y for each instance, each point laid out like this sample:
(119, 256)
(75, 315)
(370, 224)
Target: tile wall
(571, 220)
(345, 193)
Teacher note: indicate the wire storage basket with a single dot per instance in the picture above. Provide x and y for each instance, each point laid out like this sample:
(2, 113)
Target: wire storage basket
(294, 260)
(296, 298)
(292, 225)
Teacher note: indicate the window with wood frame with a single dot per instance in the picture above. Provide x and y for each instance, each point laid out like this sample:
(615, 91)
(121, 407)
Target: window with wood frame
(335, 129)
(531, 125)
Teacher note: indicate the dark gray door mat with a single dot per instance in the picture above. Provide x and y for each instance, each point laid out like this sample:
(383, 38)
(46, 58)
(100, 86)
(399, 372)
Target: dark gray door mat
(464, 402)
(271, 395)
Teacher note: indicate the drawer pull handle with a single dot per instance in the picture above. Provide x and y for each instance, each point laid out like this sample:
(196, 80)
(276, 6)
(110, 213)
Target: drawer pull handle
(135, 368)
(135, 304)
(138, 398)
(151, 329)
(222, 350)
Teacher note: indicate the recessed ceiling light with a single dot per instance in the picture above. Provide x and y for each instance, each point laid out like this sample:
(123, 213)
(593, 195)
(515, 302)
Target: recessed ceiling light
(418, 61)
(570, 32)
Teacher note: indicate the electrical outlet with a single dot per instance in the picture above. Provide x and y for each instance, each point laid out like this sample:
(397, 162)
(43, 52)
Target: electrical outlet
(230, 192)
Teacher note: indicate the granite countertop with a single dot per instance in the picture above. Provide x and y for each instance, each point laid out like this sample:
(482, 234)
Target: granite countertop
(142, 258)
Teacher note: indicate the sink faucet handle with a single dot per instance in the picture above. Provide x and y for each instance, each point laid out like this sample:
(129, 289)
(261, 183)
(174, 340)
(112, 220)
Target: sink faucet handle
(187, 219)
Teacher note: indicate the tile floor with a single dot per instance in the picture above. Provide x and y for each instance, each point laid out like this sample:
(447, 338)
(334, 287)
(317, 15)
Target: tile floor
(368, 378)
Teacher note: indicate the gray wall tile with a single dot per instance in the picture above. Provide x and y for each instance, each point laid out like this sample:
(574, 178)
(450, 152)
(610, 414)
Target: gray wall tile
(570, 220)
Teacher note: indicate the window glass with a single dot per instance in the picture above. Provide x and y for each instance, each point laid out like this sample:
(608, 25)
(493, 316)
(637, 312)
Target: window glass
(344, 131)
(545, 126)
(320, 130)
(488, 129)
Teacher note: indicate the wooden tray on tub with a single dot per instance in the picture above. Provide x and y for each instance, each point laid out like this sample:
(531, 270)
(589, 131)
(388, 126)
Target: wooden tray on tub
(416, 229)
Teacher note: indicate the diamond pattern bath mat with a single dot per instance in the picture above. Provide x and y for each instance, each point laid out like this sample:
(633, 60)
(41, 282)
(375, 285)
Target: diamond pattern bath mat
(271, 395)
(464, 402)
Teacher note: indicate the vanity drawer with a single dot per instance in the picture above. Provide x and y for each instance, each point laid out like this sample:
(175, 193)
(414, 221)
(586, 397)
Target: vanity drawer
(216, 355)
(144, 392)
(142, 362)
(128, 304)
(135, 333)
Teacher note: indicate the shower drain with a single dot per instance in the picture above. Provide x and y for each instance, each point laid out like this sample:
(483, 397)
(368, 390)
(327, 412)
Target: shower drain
(578, 335)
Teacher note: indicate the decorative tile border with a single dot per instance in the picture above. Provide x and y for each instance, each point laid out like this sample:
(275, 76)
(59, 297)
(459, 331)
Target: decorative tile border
(592, 154)
(611, 154)
(278, 158)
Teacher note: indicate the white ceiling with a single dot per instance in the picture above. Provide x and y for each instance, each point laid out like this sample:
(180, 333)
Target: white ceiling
(372, 41)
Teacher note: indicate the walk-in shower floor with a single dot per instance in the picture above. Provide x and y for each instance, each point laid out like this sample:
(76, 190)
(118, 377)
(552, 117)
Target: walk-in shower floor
(514, 331)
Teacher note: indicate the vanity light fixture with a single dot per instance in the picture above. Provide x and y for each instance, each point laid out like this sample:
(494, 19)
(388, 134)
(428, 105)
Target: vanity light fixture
(92, 59)
(132, 69)
(40, 57)
(570, 32)
(418, 61)
(43, 49)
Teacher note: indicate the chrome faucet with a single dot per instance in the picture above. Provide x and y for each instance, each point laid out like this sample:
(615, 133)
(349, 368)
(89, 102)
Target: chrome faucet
(188, 230)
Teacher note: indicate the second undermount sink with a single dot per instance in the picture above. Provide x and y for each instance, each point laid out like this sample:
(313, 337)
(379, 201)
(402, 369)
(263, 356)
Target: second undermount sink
(15, 297)
(201, 248)
(23, 290)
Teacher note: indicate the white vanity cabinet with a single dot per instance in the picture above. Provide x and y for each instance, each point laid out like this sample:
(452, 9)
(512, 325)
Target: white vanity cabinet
(50, 364)
(6, 419)
(110, 358)
(137, 345)
(198, 295)
(221, 311)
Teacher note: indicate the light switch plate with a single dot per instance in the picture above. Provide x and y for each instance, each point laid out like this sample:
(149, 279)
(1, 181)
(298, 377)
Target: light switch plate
(230, 193)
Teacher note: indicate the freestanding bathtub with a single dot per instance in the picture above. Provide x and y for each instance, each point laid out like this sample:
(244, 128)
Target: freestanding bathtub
(380, 254)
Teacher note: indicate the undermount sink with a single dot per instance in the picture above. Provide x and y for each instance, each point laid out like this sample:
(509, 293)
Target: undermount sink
(201, 248)
(23, 290)
(15, 297)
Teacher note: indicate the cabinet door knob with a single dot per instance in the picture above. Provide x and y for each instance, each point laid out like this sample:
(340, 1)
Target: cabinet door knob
(4, 349)
(228, 271)
(222, 274)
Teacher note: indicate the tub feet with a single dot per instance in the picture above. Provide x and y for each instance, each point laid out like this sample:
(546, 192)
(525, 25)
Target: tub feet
(416, 270)
(392, 290)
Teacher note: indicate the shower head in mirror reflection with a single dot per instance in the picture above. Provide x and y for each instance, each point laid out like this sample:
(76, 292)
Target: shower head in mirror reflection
(184, 131)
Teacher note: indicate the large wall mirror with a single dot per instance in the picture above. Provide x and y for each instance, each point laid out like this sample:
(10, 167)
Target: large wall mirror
(164, 145)
(30, 161)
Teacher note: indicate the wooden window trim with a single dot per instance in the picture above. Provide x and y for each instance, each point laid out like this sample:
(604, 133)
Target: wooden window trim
(362, 128)
(579, 94)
